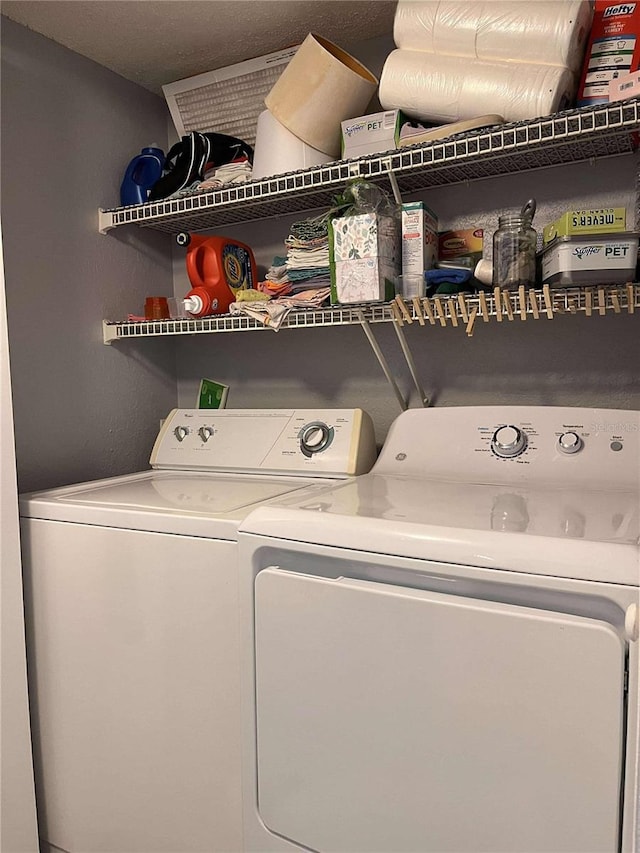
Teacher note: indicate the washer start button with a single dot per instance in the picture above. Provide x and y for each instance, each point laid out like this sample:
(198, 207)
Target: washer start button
(616, 445)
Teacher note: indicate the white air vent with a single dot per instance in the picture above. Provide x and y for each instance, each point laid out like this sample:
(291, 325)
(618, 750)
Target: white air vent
(228, 100)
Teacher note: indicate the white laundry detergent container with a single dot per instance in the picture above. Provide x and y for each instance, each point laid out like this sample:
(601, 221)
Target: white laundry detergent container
(320, 87)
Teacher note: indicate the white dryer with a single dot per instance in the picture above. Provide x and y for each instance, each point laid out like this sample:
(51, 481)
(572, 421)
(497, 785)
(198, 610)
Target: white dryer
(442, 655)
(132, 627)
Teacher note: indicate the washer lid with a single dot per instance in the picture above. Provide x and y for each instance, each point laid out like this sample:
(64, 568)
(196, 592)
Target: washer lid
(558, 532)
(194, 503)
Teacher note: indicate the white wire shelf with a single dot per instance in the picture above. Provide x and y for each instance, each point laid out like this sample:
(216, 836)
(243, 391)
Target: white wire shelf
(576, 135)
(464, 311)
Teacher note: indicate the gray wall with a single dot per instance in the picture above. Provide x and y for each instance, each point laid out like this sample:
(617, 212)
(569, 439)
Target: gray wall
(69, 128)
(85, 410)
(570, 360)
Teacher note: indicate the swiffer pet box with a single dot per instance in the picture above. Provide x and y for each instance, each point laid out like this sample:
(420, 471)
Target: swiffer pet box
(371, 134)
(613, 50)
(364, 258)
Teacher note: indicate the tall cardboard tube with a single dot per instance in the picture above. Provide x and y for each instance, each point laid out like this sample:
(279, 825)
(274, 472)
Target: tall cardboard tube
(320, 87)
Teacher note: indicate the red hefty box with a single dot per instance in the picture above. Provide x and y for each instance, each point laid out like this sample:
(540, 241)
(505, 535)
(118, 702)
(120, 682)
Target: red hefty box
(613, 49)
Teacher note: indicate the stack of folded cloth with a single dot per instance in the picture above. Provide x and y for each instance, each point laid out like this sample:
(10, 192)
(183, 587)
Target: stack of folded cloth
(306, 265)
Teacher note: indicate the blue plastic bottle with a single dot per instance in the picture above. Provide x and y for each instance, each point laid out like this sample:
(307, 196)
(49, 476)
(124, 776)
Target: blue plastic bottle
(142, 173)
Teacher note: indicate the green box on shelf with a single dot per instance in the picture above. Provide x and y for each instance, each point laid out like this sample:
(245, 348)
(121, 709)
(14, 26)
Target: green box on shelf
(364, 258)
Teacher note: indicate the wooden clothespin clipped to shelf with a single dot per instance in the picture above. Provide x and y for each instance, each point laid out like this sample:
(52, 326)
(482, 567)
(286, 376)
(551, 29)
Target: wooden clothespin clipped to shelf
(631, 307)
(483, 306)
(615, 300)
(462, 302)
(546, 294)
(403, 310)
(588, 301)
(497, 302)
(522, 298)
(453, 312)
(440, 311)
(507, 304)
(471, 321)
(397, 316)
(426, 304)
(416, 307)
(602, 302)
(533, 301)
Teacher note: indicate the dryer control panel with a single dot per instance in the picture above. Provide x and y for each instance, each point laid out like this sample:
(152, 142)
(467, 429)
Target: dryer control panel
(505, 444)
(306, 442)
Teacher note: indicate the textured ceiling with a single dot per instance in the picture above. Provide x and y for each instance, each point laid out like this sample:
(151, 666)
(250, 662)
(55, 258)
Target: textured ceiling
(153, 42)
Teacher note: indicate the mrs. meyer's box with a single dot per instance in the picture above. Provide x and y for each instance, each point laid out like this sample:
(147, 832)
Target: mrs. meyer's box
(364, 259)
(603, 220)
(419, 238)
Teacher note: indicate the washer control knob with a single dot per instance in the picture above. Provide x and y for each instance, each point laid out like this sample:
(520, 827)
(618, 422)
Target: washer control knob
(205, 433)
(508, 441)
(181, 432)
(315, 437)
(570, 442)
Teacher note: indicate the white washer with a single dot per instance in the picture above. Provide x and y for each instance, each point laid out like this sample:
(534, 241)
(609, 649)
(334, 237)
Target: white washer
(132, 626)
(442, 655)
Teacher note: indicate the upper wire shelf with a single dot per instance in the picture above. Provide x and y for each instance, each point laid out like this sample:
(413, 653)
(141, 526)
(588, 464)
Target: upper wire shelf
(576, 135)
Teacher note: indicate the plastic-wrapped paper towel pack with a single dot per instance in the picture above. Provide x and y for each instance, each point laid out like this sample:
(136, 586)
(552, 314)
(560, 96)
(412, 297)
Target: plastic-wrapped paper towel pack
(457, 60)
(441, 88)
(544, 32)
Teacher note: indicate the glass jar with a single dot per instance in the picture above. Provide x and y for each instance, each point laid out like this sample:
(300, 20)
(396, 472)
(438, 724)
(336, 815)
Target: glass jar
(514, 253)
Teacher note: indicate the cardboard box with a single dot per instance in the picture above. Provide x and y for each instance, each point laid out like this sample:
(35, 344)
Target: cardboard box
(364, 258)
(613, 50)
(602, 220)
(419, 238)
(371, 134)
(463, 246)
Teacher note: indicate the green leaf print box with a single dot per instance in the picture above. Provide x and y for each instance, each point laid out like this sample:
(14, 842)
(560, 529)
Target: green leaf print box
(364, 258)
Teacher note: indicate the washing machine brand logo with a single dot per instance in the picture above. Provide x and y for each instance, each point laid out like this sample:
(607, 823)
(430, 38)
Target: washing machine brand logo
(620, 9)
(400, 457)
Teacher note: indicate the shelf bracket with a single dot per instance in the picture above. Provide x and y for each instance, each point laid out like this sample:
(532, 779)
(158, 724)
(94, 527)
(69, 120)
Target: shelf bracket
(375, 346)
(424, 400)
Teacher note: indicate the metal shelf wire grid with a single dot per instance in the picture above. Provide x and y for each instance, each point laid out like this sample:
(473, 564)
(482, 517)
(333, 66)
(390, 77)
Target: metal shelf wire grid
(573, 136)
(443, 311)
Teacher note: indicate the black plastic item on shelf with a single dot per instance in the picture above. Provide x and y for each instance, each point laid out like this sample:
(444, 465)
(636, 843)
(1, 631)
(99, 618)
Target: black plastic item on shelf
(188, 161)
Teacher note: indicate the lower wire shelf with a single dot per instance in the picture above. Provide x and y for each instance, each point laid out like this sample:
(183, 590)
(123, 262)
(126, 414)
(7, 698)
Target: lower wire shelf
(462, 310)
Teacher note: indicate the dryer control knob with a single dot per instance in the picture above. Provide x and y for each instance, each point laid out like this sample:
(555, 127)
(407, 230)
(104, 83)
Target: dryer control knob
(205, 433)
(508, 441)
(315, 437)
(570, 442)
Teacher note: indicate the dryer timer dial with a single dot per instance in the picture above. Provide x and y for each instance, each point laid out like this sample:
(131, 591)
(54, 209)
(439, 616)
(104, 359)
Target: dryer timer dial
(509, 441)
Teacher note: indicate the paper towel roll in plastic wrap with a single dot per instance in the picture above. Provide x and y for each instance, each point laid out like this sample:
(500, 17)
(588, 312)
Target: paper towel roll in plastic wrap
(442, 89)
(546, 32)
(277, 150)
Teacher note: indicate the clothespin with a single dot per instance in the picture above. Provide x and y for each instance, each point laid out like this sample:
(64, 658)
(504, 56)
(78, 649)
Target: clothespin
(397, 316)
(533, 299)
(452, 312)
(497, 301)
(602, 302)
(631, 301)
(523, 302)
(462, 302)
(403, 308)
(472, 320)
(416, 307)
(615, 301)
(427, 308)
(547, 301)
(440, 311)
(483, 306)
(588, 300)
(507, 304)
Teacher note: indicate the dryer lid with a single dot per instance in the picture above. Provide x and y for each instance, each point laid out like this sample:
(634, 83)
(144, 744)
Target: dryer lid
(567, 533)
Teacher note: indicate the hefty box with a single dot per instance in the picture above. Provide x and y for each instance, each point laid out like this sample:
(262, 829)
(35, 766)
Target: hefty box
(371, 134)
(419, 238)
(613, 50)
(364, 258)
(604, 220)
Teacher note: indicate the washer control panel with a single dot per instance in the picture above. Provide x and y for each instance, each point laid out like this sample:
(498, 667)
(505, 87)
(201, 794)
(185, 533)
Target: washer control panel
(497, 444)
(331, 443)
